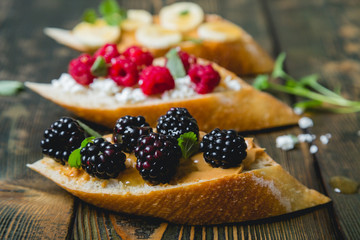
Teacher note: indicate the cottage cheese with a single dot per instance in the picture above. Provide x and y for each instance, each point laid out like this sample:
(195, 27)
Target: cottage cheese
(286, 142)
(305, 122)
(108, 89)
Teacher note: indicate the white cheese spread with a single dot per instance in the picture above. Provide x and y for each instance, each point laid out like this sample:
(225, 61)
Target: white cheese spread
(107, 88)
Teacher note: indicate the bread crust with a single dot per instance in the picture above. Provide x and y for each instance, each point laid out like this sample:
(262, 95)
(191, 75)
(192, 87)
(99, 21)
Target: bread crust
(255, 194)
(243, 110)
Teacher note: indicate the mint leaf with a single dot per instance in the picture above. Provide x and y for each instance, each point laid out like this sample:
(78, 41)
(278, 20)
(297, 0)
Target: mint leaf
(89, 130)
(189, 144)
(89, 16)
(174, 64)
(112, 12)
(75, 158)
(261, 82)
(86, 141)
(99, 67)
(184, 12)
(10, 88)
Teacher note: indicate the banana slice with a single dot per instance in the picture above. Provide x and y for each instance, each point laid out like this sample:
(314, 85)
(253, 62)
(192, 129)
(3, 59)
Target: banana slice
(181, 16)
(220, 31)
(135, 19)
(155, 36)
(96, 34)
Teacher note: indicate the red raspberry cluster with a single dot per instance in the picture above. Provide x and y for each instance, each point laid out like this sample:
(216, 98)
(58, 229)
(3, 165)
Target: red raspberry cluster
(122, 68)
(134, 66)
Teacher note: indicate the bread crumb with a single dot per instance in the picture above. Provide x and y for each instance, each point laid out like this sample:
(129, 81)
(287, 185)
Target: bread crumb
(305, 122)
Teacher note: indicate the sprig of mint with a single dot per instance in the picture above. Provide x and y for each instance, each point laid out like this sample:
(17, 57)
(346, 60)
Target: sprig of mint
(184, 12)
(189, 144)
(319, 97)
(99, 67)
(75, 156)
(112, 12)
(10, 88)
(89, 16)
(174, 64)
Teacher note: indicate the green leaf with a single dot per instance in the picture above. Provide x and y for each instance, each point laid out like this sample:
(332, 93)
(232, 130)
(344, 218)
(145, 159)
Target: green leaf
(261, 82)
(112, 12)
(309, 80)
(174, 64)
(86, 141)
(184, 12)
(99, 67)
(75, 158)
(89, 16)
(278, 66)
(89, 130)
(10, 88)
(189, 144)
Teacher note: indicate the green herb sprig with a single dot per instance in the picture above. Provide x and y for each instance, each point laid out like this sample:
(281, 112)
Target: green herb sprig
(319, 97)
(189, 144)
(174, 64)
(10, 88)
(110, 10)
(75, 156)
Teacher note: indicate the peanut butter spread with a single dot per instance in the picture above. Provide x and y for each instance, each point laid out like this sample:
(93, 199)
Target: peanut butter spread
(190, 170)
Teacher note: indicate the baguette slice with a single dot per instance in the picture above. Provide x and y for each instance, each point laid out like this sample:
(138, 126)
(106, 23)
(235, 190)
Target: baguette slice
(242, 110)
(264, 189)
(243, 56)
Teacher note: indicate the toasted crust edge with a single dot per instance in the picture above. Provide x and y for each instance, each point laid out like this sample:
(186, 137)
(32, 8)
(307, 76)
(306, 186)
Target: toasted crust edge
(250, 195)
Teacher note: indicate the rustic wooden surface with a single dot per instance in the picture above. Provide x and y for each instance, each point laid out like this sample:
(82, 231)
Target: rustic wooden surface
(318, 37)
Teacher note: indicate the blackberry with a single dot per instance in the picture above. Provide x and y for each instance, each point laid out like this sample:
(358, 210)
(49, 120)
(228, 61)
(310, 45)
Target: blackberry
(157, 157)
(63, 136)
(177, 121)
(223, 148)
(128, 130)
(102, 159)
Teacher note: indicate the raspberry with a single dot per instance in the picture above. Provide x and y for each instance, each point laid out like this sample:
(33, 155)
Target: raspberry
(63, 136)
(128, 130)
(102, 159)
(79, 69)
(108, 51)
(187, 60)
(139, 56)
(223, 148)
(204, 77)
(156, 80)
(124, 72)
(157, 157)
(177, 121)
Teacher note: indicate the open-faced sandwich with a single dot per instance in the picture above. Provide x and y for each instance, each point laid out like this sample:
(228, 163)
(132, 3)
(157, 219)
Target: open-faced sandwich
(182, 24)
(107, 85)
(174, 171)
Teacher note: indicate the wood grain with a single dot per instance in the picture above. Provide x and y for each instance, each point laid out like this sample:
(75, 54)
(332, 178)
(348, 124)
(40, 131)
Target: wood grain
(327, 46)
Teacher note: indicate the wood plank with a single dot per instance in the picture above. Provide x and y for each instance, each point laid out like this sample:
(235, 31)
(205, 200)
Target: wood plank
(321, 37)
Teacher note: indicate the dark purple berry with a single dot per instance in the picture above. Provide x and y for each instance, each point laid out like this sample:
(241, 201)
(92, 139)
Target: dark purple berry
(63, 136)
(102, 159)
(128, 130)
(177, 121)
(158, 157)
(223, 148)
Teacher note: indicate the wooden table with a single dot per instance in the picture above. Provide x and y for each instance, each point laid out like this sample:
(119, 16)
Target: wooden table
(318, 36)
